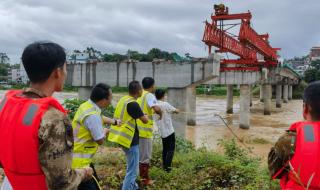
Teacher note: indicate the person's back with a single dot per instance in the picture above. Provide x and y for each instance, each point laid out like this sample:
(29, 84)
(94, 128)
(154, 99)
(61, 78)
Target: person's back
(35, 134)
(298, 150)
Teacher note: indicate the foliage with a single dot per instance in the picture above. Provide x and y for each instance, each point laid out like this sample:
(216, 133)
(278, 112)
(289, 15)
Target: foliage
(313, 74)
(69, 88)
(216, 90)
(154, 53)
(193, 168)
(72, 106)
(297, 92)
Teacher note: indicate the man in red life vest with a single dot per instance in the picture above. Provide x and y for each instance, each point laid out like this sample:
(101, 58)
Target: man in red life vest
(36, 139)
(295, 158)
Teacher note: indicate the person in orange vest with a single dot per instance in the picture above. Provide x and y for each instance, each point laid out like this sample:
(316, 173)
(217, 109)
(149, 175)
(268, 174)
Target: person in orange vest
(295, 157)
(36, 138)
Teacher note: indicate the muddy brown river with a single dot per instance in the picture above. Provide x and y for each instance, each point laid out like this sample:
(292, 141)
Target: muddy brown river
(263, 132)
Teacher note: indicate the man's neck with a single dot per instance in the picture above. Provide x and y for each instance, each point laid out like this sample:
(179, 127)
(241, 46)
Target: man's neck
(44, 88)
(148, 90)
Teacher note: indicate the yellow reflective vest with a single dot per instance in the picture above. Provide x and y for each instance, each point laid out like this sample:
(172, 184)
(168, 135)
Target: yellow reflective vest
(84, 145)
(123, 134)
(145, 130)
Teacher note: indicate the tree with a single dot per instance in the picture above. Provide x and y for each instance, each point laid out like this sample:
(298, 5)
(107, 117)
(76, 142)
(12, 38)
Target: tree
(310, 75)
(4, 59)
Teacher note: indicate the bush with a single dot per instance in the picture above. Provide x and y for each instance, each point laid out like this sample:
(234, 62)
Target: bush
(193, 168)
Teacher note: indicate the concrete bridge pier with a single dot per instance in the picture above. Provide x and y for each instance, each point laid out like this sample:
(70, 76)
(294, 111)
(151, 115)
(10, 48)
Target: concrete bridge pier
(229, 99)
(185, 100)
(290, 92)
(244, 106)
(84, 92)
(278, 95)
(285, 93)
(261, 93)
(267, 99)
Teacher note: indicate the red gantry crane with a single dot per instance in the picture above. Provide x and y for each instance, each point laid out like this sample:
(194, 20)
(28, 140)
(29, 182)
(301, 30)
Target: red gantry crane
(248, 45)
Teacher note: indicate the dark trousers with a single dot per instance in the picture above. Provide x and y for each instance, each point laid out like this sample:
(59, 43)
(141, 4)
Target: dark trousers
(169, 144)
(91, 183)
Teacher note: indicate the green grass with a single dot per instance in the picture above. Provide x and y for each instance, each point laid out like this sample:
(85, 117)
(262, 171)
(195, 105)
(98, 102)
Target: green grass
(197, 169)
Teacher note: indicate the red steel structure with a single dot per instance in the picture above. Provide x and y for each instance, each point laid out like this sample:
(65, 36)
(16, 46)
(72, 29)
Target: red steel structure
(247, 45)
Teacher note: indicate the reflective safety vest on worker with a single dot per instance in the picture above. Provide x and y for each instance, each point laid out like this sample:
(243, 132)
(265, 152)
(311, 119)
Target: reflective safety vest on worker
(306, 160)
(20, 119)
(85, 146)
(123, 134)
(145, 130)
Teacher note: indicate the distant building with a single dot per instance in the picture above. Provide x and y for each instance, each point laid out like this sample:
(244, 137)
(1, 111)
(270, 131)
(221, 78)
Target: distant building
(87, 56)
(314, 53)
(19, 75)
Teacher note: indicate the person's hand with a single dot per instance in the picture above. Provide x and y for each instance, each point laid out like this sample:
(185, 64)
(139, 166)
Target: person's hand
(88, 173)
(119, 122)
(106, 131)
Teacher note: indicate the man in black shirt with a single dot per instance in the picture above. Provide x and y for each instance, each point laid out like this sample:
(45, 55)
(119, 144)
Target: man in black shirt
(127, 135)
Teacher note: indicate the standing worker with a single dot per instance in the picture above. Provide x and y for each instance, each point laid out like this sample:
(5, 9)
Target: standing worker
(89, 132)
(36, 139)
(148, 104)
(295, 157)
(127, 135)
(166, 129)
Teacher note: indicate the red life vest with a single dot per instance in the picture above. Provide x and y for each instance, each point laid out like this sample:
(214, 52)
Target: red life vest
(20, 119)
(306, 158)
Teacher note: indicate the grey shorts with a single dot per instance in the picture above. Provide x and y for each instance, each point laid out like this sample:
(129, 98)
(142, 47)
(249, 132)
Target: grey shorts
(145, 150)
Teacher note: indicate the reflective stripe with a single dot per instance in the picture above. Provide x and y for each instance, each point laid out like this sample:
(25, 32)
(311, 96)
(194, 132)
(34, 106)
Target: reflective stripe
(121, 134)
(82, 155)
(86, 112)
(308, 133)
(124, 107)
(145, 129)
(3, 102)
(28, 118)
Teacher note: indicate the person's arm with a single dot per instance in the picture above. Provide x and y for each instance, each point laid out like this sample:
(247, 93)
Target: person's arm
(152, 103)
(135, 112)
(55, 152)
(94, 124)
(170, 108)
(280, 154)
(110, 121)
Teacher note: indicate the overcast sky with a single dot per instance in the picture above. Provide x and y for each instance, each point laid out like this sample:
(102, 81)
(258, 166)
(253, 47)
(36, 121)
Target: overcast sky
(114, 26)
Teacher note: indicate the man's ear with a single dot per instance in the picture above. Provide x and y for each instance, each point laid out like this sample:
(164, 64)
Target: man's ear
(57, 73)
(306, 110)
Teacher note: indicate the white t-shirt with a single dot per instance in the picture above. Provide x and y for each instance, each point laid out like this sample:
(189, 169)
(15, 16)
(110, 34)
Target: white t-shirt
(165, 124)
(6, 184)
(151, 100)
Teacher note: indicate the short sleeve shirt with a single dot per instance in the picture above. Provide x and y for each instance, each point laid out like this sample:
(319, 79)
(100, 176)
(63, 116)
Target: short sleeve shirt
(135, 112)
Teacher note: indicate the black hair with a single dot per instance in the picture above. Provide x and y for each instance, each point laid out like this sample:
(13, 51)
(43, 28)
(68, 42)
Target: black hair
(40, 59)
(311, 97)
(147, 82)
(160, 94)
(99, 92)
(134, 87)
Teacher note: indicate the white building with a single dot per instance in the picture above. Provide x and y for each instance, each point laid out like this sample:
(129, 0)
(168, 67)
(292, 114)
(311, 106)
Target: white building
(19, 75)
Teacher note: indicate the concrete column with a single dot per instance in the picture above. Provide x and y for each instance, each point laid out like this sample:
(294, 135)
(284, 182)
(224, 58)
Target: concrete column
(191, 103)
(244, 106)
(250, 91)
(290, 92)
(84, 93)
(229, 99)
(267, 99)
(285, 93)
(185, 100)
(278, 95)
(261, 93)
